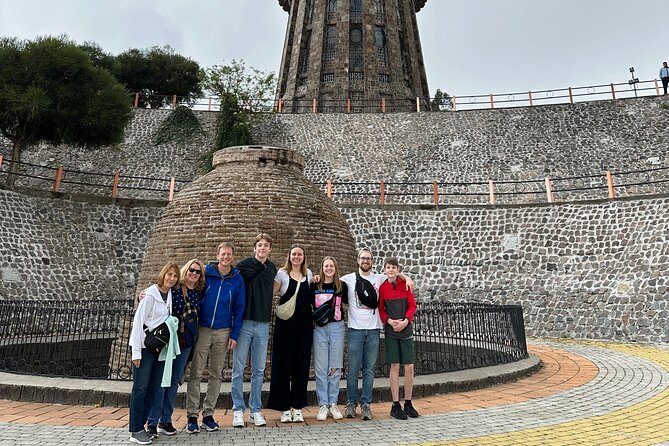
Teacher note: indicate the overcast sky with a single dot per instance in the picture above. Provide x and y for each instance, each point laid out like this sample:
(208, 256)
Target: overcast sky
(470, 47)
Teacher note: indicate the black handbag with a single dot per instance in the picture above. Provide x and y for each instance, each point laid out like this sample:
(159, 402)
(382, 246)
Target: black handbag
(325, 313)
(155, 340)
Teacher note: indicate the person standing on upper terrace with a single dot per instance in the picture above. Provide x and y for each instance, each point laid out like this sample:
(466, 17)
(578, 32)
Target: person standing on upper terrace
(664, 75)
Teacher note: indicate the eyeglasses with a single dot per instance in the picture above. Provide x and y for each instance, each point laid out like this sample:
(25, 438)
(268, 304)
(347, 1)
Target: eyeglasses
(194, 271)
(369, 259)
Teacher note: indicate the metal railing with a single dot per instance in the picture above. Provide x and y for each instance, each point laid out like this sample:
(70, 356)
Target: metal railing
(90, 339)
(563, 95)
(59, 179)
(58, 338)
(544, 190)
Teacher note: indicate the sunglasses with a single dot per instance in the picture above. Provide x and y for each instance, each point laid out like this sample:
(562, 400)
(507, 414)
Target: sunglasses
(195, 271)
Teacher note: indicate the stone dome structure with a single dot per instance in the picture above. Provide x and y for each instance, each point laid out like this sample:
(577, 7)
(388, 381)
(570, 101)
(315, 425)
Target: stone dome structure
(251, 190)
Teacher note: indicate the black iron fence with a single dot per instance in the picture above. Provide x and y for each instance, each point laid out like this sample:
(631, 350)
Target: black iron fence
(90, 339)
(56, 338)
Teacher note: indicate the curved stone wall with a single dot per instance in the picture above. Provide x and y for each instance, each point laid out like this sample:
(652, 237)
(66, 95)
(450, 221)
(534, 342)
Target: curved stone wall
(591, 270)
(66, 250)
(136, 156)
(505, 144)
(595, 270)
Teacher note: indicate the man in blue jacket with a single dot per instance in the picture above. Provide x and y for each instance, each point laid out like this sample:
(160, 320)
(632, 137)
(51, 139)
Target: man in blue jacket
(220, 316)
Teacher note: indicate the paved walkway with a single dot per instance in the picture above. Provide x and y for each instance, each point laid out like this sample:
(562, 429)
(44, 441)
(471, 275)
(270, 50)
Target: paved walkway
(588, 393)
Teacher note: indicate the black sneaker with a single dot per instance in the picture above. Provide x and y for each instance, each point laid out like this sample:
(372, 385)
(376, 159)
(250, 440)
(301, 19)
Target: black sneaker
(152, 431)
(410, 410)
(166, 429)
(397, 412)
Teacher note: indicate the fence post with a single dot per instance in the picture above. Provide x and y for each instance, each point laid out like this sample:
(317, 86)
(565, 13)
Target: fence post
(59, 177)
(348, 105)
(383, 105)
(549, 190)
(209, 109)
(136, 104)
(329, 189)
(383, 192)
(313, 105)
(613, 91)
(453, 102)
(171, 195)
(529, 93)
(174, 101)
(117, 176)
(657, 87)
(280, 106)
(609, 183)
(435, 190)
(491, 191)
(492, 102)
(571, 96)
(417, 104)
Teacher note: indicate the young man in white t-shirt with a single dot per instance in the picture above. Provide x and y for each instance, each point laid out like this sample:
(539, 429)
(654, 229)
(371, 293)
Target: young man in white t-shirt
(364, 330)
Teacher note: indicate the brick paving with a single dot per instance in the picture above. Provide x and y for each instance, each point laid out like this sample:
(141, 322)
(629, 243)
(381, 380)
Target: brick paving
(588, 393)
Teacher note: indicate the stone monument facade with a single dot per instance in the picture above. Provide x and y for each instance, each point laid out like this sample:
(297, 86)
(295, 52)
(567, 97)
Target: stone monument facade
(352, 55)
(251, 190)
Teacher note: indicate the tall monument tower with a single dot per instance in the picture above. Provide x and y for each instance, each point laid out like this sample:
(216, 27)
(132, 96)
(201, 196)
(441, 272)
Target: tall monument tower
(367, 51)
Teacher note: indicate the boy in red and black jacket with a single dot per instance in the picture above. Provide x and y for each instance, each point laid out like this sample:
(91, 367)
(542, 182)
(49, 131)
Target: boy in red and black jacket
(397, 307)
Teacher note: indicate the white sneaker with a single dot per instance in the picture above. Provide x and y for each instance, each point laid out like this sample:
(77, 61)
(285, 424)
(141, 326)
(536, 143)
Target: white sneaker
(297, 416)
(336, 414)
(322, 413)
(257, 418)
(237, 418)
(286, 416)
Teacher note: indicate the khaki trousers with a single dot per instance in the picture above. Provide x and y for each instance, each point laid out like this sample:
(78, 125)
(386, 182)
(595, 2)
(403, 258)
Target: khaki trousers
(212, 344)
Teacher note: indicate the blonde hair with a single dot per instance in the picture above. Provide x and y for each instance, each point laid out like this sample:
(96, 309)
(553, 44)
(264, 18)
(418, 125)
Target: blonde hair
(337, 282)
(199, 285)
(303, 267)
(163, 272)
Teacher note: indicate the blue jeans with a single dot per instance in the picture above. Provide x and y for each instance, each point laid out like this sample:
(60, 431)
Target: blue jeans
(328, 354)
(145, 386)
(163, 404)
(363, 348)
(253, 336)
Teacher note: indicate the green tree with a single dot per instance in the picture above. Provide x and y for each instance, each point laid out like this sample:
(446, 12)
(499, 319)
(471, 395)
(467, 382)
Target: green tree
(50, 91)
(232, 129)
(99, 57)
(254, 89)
(157, 74)
(441, 101)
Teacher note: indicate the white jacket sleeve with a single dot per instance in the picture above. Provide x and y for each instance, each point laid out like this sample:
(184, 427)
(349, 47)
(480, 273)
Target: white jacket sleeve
(137, 333)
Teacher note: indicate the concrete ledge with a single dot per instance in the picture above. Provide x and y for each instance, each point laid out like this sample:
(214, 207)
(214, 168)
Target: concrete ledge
(85, 392)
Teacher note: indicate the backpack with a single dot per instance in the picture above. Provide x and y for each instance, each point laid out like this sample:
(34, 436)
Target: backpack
(366, 292)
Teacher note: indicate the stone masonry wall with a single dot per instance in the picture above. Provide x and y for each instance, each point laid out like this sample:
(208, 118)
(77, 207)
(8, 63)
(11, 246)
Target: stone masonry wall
(592, 270)
(467, 146)
(66, 250)
(597, 270)
(136, 156)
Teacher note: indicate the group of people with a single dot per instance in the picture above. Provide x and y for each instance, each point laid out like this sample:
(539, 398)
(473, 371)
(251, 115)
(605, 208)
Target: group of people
(233, 305)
